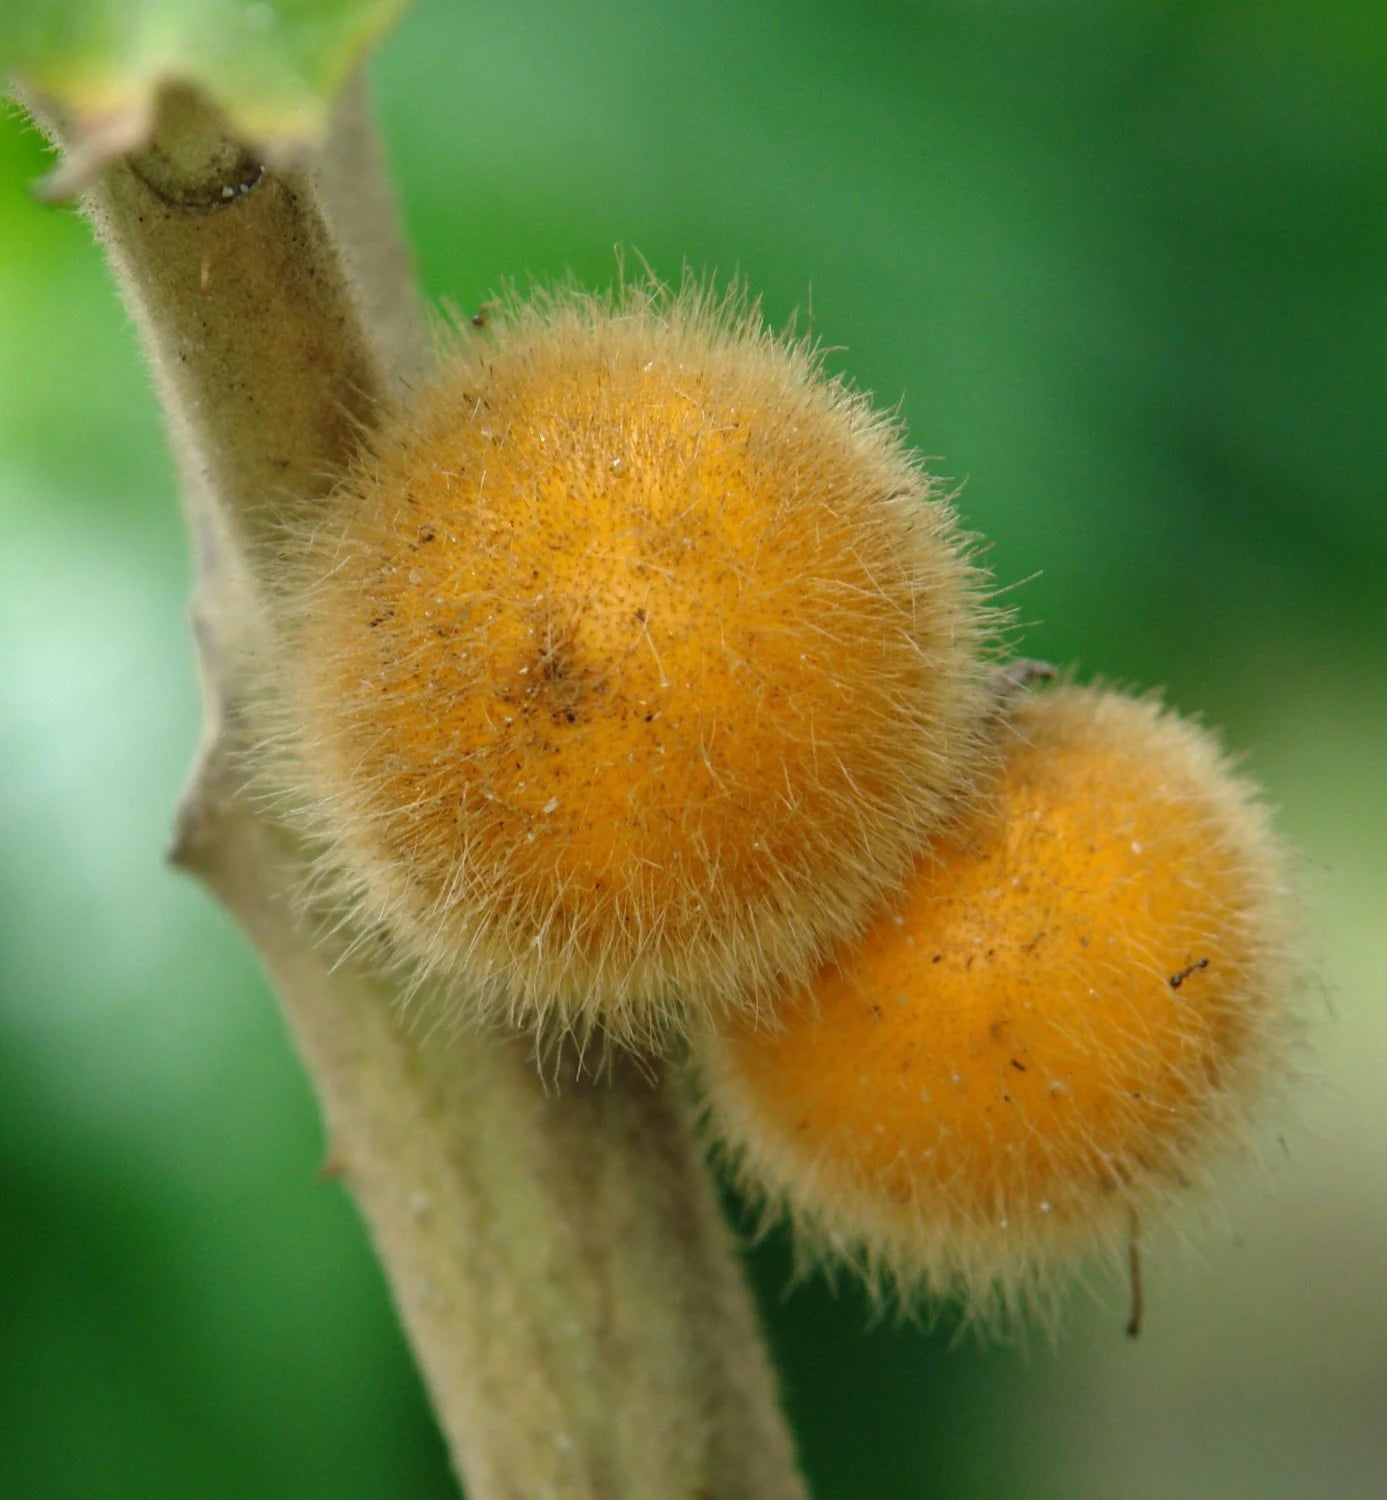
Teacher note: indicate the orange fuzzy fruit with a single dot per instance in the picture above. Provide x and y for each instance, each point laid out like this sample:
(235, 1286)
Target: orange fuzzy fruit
(1046, 1034)
(631, 670)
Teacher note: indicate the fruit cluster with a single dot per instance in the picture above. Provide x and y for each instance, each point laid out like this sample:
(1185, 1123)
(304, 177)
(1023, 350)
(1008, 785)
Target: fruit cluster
(640, 684)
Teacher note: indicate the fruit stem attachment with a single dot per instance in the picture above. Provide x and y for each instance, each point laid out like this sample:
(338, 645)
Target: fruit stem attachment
(559, 1260)
(1015, 676)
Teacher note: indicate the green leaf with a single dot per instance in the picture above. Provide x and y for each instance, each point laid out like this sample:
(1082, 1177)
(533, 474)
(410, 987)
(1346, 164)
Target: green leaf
(272, 66)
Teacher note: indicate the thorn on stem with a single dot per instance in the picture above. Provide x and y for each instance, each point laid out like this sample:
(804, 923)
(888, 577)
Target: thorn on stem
(1138, 1304)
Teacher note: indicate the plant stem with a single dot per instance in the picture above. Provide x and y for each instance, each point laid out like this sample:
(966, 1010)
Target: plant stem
(559, 1259)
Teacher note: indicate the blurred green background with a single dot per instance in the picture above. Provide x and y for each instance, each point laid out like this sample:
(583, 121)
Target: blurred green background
(1125, 266)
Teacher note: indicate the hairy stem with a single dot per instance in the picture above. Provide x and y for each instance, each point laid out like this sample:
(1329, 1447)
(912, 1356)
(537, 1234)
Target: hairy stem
(559, 1260)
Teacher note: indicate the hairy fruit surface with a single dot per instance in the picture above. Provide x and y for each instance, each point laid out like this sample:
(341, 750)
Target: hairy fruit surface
(1047, 1035)
(631, 670)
